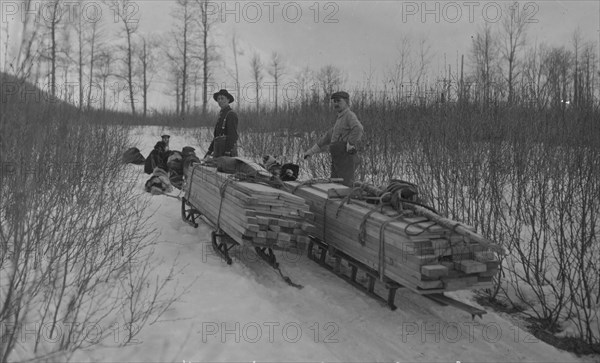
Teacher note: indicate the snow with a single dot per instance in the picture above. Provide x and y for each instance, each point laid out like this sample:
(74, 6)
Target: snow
(246, 312)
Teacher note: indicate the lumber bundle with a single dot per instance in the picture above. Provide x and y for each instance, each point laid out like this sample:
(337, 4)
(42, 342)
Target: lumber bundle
(410, 249)
(249, 212)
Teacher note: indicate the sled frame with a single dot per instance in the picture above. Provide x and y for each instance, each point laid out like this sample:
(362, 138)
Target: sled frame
(222, 243)
(189, 214)
(318, 250)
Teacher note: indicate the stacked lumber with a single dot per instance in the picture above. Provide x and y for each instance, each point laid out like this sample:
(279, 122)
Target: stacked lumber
(410, 249)
(249, 212)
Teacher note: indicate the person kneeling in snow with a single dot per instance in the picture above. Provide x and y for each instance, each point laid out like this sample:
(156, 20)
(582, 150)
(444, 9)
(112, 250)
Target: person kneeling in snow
(156, 159)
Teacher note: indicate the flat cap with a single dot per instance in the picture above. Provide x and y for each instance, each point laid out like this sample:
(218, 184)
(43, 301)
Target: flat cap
(340, 94)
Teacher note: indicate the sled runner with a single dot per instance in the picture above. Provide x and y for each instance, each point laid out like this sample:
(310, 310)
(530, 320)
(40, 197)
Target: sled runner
(238, 199)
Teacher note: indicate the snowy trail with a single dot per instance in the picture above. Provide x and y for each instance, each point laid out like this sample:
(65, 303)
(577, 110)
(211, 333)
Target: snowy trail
(246, 312)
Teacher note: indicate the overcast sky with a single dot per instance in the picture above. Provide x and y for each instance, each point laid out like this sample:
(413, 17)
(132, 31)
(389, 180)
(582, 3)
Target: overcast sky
(362, 37)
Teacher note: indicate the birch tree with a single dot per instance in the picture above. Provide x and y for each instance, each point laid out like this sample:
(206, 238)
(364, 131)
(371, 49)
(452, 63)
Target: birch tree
(276, 70)
(257, 66)
(206, 23)
(125, 11)
(484, 53)
(513, 30)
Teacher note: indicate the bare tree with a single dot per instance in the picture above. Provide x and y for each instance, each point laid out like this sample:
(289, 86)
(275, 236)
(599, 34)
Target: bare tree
(183, 40)
(92, 41)
(86, 34)
(331, 78)
(147, 57)
(584, 65)
(173, 76)
(53, 23)
(397, 73)
(256, 65)
(104, 70)
(589, 74)
(558, 63)
(513, 38)
(122, 10)
(576, 48)
(206, 22)
(535, 89)
(306, 83)
(276, 70)
(30, 45)
(235, 74)
(420, 66)
(64, 60)
(484, 53)
(87, 264)
(410, 67)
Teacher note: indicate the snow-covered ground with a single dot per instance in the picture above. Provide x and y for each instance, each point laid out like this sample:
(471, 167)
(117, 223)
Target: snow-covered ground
(245, 312)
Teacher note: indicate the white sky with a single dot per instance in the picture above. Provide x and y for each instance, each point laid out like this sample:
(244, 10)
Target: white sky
(361, 37)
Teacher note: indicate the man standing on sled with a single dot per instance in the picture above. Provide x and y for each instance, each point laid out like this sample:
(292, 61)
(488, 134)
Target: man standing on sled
(342, 139)
(225, 135)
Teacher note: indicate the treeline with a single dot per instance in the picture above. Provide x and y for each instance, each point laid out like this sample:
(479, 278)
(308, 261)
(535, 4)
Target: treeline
(75, 54)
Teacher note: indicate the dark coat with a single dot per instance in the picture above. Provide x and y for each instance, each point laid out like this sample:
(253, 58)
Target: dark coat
(227, 125)
(156, 159)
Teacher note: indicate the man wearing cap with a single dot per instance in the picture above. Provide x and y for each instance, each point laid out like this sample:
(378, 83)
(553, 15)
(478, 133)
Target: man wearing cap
(342, 139)
(225, 134)
(156, 159)
(165, 139)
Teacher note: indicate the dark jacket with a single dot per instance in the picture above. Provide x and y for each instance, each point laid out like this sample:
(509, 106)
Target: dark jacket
(155, 160)
(227, 125)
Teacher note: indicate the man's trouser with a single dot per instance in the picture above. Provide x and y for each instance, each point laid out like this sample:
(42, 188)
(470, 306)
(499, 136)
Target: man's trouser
(343, 164)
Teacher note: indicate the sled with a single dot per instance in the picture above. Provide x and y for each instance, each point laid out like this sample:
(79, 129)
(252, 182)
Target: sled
(232, 195)
(417, 251)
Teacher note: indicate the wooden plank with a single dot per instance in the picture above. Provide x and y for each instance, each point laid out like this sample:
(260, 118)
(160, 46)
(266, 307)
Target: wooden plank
(470, 266)
(242, 208)
(412, 244)
(434, 270)
(333, 190)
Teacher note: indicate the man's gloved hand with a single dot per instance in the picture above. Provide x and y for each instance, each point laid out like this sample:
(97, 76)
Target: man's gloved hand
(350, 149)
(313, 150)
(227, 153)
(207, 155)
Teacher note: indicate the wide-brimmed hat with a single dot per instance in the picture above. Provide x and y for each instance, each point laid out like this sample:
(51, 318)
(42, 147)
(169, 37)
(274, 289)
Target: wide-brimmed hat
(224, 93)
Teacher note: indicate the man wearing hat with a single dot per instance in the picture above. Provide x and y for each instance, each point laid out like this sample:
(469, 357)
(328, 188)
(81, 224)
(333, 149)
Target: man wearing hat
(165, 139)
(225, 135)
(342, 140)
